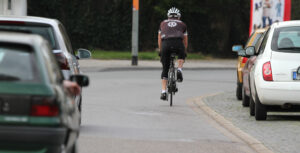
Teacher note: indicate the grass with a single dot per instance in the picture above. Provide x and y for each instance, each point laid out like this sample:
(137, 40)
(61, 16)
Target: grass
(126, 55)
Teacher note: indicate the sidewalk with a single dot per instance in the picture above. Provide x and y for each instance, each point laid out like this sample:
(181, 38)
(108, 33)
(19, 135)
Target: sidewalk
(92, 65)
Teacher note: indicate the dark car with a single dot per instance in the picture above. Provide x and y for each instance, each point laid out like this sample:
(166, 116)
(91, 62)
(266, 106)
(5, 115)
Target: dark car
(36, 113)
(246, 71)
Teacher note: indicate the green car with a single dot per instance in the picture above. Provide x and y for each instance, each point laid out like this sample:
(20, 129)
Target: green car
(36, 113)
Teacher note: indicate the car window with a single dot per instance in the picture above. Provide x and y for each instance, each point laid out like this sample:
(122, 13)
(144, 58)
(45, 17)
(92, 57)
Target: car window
(18, 63)
(249, 39)
(44, 30)
(286, 39)
(263, 43)
(258, 35)
(66, 38)
(51, 63)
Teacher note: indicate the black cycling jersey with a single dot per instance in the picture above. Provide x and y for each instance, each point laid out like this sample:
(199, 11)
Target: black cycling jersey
(172, 28)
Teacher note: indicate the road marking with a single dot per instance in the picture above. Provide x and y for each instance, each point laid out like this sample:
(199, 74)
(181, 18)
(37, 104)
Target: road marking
(199, 106)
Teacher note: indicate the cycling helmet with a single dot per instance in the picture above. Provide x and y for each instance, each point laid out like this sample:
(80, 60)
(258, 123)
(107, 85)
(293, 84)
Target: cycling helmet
(174, 12)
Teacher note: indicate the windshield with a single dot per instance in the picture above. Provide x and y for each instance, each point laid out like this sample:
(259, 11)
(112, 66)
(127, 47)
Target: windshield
(286, 39)
(45, 31)
(17, 63)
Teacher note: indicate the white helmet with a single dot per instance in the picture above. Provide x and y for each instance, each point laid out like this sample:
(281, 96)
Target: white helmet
(174, 12)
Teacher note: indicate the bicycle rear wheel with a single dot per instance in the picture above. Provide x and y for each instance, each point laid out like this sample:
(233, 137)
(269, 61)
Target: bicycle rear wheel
(172, 86)
(171, 99)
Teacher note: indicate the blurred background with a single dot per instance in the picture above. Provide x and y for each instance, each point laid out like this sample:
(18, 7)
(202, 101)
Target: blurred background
(213, 25)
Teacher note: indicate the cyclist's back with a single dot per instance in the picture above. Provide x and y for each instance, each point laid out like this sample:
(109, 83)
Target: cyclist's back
(172, 38)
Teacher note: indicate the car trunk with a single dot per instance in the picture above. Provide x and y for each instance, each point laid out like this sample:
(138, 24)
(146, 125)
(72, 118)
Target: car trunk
(17, 99)
(283, 65)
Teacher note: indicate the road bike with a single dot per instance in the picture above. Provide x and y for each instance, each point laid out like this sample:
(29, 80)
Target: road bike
(172, 88)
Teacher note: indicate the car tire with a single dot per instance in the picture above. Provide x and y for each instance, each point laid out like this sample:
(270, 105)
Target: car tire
(239, 91)
(74, 148)
(80, 108)
(251, 106)
(80, 102)
(245, 101)
(260, 110)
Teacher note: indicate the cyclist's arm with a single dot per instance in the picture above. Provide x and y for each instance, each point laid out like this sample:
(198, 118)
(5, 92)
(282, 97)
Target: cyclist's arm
(185, 42)
(159, 41)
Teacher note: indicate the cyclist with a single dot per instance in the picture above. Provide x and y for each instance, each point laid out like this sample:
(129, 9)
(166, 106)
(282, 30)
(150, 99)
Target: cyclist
(172, 38)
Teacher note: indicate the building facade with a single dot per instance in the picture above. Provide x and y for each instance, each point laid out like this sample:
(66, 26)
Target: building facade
(13, 7)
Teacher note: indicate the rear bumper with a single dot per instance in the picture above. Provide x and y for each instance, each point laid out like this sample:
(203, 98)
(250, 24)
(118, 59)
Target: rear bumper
(279, 93)
(36, 135)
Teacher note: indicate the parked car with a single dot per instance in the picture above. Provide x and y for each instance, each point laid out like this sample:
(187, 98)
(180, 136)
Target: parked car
(274, 80)
(242, 60)
(248, 65)
(36, 114)
(53, 31)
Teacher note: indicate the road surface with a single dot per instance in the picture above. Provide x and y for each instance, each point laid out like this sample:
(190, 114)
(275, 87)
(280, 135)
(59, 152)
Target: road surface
(122, 113)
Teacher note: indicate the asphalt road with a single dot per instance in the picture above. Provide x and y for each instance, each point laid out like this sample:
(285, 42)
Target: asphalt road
(122, 113)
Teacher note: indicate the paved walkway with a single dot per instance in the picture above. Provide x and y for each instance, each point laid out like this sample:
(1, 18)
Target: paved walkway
(280, 132)
(106, 65)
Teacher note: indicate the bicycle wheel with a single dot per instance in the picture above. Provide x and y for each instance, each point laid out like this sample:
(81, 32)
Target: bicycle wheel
(172, 85)
(171, 99)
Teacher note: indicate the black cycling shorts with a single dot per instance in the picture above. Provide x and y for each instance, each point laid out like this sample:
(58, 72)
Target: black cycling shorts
(169, 46)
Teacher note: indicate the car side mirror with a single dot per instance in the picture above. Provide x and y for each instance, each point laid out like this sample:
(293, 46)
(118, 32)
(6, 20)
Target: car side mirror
(242, 53)
(236, 48)
(81, 80)
(250, 51)
(83, 53)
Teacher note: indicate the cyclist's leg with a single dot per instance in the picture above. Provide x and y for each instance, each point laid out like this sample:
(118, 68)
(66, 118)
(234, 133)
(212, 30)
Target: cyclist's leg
(180, 53)
(181, 58)
(165, 60)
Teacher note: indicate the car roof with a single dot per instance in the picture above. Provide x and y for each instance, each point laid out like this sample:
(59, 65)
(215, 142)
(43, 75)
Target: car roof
(29, 19)
(286, 23)
(20, 38)
(262, 30)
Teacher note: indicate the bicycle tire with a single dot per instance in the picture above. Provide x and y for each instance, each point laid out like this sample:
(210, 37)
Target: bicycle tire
(172, 86)
(171, 99)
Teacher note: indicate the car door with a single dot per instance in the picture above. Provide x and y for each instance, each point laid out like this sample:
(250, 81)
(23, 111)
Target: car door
(73, 59)
(69, 111)
(254, 65)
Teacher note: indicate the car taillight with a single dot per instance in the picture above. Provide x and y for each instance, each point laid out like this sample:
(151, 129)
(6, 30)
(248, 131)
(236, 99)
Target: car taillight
(62, 61)
(245, 59)
(44, 106)
(267, 72)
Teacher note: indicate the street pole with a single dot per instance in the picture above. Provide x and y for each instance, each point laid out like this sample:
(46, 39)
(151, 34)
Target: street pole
(135, 32)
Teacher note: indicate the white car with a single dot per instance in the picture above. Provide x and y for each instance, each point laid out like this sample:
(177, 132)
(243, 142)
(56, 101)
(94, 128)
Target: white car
(274, 78)
(53, 31)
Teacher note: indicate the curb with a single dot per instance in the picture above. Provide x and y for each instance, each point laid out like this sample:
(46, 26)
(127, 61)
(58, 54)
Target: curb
(251, 141)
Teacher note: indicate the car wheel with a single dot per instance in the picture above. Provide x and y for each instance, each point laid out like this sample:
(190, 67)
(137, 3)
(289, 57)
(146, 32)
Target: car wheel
(74, 148)
(260, 110)
(245, 98)
(239, 91)
(252, 106)
(79, 105)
